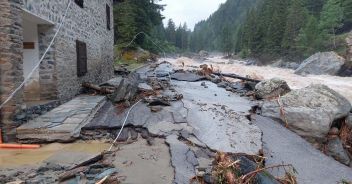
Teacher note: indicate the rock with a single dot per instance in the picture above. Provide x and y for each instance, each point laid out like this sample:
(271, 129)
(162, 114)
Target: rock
(190, 77)
(292, 65)
(125, 88)
(271, 88)
(322, 63)
(309, 111)
(145, 134)
(156, 108)
(124, 135)
(248, 166)
(349, 120)
(335, 149)
(133, 134)
(203, 54)
(222, 84)
(144, 87)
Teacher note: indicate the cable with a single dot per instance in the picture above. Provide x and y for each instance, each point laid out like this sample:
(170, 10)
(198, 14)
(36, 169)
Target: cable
(149, 37)
(41, 59)
(123, 124)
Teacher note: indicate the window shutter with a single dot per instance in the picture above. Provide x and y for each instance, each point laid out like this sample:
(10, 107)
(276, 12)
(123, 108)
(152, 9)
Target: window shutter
(108, 21)
(81, 49)
(80, 3)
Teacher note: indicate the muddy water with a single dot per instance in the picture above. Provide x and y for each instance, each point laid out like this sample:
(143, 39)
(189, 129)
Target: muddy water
(11, 158)
(343, 85)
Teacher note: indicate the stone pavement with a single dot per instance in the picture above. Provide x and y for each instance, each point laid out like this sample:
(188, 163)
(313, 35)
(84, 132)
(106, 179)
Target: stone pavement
(62, 124)
(284, 146)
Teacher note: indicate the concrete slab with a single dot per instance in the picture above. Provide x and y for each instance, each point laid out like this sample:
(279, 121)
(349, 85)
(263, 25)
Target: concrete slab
(219, 121)
(283, 146)
(63, 123)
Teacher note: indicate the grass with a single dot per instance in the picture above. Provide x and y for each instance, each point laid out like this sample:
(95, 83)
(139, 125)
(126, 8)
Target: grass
(131, 65)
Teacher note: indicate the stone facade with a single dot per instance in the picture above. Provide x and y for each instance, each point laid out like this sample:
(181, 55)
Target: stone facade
(11, 69)
(86, 24)
(58, 72)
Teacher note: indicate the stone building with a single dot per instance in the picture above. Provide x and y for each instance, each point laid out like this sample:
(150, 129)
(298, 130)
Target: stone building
(81, 52)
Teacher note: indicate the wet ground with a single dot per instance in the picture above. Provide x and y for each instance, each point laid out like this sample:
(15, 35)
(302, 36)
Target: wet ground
(173, 141)
(12, 158)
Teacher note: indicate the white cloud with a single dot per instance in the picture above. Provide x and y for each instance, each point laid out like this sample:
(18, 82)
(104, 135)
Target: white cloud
(189, 11)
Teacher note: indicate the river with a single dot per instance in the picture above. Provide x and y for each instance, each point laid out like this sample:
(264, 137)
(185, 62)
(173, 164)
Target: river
(343, 85)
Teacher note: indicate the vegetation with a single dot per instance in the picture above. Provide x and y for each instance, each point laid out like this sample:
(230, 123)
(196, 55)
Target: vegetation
(268, 29)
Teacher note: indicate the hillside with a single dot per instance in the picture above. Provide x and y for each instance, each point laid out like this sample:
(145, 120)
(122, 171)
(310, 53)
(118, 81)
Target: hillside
(208, 34)
(271, 29)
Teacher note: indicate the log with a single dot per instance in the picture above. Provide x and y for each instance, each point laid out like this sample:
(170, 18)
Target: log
(98, 88)
(236, 77)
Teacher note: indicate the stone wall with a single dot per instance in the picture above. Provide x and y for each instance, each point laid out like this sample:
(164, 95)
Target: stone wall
(86, 24)
(11, 68)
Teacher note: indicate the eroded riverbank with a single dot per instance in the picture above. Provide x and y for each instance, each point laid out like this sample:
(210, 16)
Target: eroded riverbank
(343, 85)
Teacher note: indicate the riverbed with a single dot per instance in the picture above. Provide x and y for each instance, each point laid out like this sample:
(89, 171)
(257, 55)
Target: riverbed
(343, 85)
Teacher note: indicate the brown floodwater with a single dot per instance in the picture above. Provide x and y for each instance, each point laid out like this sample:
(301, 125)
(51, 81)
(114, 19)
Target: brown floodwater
(343, 85)
(10, 158)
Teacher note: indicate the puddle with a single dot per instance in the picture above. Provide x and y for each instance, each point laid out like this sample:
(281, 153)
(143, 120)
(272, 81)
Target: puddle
(10, 158)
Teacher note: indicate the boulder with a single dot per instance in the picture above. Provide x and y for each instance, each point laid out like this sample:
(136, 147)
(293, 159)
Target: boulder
(309, 111)
(322, 63)
(335, 149)
(271, 88)
(203, 54)
(125, 87)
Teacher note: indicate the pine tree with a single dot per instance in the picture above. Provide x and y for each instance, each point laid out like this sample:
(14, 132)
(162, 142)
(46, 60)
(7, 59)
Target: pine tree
(331, 18)
(309, 38)
(296, 19)
(226, 40)
(171, 32)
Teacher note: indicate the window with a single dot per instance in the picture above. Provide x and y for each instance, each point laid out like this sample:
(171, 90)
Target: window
(81, 50)
(80, 3)
(108, 21)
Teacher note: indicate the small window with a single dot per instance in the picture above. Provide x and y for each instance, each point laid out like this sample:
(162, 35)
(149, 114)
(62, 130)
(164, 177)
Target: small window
(108, 20)
(80, 3)
(81, 50)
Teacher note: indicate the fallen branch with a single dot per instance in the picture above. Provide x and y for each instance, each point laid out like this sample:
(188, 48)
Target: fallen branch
(97, 88)
(236, 77)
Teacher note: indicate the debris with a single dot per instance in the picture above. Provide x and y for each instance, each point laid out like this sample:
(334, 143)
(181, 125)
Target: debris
(236, 77)
(72, 173)
(102, 90)
(187, 76)
(156, 108)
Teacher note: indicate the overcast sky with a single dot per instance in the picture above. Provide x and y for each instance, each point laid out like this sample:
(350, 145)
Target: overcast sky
(189, 11)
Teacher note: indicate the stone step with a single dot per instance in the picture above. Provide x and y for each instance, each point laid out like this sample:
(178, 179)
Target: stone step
(62, 124)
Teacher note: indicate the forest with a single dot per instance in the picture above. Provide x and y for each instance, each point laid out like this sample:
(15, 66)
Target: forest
(266, 29)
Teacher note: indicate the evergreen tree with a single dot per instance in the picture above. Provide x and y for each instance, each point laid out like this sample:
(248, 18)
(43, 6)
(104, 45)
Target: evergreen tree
(226, 40)
(331, 18)
(171, 32)
(134, 16)
(296, 19)
(309, 39)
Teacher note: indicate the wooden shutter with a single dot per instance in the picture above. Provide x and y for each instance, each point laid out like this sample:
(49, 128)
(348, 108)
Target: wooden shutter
(108, 20)
(81, 49)
(80, 3)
